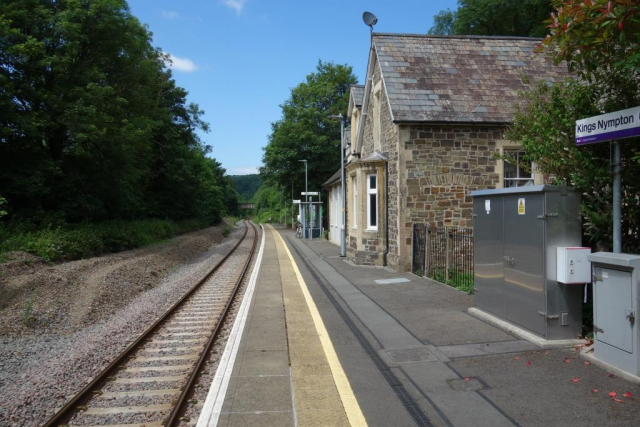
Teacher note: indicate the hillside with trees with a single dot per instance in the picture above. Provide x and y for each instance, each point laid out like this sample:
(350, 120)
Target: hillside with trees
(93, 127)
(246, 185)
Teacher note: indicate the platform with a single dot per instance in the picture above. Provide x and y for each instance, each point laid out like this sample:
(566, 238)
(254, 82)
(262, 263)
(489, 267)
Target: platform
(330, 343)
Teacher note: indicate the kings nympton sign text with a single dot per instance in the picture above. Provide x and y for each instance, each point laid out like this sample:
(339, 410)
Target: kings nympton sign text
(617, 125)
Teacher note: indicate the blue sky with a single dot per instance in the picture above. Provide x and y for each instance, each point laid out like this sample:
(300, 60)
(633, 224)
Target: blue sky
(239, 59)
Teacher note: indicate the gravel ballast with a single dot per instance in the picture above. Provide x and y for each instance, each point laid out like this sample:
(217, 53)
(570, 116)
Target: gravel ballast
(42, 366)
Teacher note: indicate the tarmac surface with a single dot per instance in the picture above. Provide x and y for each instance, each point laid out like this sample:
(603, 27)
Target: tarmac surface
(410, 353)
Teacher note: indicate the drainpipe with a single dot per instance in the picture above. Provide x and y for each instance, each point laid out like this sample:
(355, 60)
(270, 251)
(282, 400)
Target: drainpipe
(386, 215)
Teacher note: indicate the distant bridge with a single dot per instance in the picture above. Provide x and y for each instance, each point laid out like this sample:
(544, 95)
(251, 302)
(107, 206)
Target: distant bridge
(246, 205)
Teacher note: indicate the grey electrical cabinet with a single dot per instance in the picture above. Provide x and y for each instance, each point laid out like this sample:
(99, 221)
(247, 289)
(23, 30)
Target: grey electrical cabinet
(516, 234)
(616, 300)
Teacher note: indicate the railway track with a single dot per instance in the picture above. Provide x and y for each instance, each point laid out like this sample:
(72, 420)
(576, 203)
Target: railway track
(150, 383)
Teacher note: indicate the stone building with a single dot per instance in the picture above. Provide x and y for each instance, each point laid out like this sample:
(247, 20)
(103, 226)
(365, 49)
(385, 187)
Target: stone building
(426, 130)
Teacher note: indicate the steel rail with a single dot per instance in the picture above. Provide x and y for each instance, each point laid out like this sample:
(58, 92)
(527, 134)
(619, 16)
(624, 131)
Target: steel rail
(68, 410)
(180, 407)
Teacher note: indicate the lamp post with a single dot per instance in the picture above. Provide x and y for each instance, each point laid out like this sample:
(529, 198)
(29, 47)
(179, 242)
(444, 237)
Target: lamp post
(306, 191)
(343, 237)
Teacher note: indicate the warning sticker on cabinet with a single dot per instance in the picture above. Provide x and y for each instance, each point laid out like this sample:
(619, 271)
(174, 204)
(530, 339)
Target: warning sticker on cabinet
(521, 207)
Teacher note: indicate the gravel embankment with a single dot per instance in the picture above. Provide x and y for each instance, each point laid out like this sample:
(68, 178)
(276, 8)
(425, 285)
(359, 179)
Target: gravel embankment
(41, 370)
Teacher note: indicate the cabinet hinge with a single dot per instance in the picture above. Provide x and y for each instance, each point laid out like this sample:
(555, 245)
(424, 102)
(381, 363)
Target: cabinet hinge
(597, 329)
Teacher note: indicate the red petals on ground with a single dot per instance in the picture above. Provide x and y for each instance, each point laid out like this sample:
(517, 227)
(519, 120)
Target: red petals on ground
(528, 363)
(587, 363)
(613, 394)
(595, 390)
(467, 378)
(516, 358)
(611, 376)
(575, 380)
(617, 400)
(566, 361)
(628, 394)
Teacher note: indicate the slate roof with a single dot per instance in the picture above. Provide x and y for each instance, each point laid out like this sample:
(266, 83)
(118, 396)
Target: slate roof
(357, 91)
(458, 78)
(334, 178)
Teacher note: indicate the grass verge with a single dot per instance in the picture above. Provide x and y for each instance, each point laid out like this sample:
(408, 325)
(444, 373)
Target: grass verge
(68, 242)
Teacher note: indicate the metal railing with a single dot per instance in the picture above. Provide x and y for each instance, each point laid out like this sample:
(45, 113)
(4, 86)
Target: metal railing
(444, 254)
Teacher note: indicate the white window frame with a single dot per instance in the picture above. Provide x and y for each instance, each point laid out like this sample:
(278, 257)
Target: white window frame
(372, 191)
(518, 153)
(355, 202)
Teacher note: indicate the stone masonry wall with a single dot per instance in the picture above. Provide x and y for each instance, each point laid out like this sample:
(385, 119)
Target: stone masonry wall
(442, 166)
(367, 248)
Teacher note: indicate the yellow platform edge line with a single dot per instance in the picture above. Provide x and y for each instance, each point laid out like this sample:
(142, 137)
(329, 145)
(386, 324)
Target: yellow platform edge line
(349, 401)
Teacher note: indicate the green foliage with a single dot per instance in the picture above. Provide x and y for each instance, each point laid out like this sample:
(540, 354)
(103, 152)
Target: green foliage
(457, 279)
(226, 230)
(271, 203)
(494, 18)
(305, 131)
(64, 242)
(27, 316)
(443, 23)
(92, 124)
(246, 185)
(600, 42)
(3, 207)
(545, 126)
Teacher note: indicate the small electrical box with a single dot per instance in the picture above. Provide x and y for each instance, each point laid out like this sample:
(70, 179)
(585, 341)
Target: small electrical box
(573, 267)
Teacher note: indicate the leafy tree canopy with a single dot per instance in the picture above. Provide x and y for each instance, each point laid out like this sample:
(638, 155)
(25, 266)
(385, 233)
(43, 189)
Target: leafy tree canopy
(305, 131)
(494, 18)
(600, 42)
(92, 124)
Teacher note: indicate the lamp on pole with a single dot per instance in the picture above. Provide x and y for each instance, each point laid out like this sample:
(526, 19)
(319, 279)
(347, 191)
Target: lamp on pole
(306, 190)
(343, 237)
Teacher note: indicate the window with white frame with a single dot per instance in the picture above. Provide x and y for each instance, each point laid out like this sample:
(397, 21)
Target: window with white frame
(372, 202)
(355, 202)
(517, 173)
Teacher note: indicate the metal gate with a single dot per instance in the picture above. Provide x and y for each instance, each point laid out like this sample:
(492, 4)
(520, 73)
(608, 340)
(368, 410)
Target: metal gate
(444, 254)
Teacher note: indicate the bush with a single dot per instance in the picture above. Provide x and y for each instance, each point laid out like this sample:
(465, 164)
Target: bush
(67, 242)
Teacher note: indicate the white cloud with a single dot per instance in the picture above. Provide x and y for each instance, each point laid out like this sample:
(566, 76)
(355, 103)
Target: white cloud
(243, 170)
(237, 5)
(181, 64)
(170, 14)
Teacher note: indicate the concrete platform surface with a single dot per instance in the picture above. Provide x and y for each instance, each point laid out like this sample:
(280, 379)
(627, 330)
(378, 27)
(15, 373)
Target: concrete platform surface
(414, 356)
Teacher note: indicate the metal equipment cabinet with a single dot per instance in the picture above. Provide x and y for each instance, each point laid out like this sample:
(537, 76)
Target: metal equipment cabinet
(616, 301)
(516, 233)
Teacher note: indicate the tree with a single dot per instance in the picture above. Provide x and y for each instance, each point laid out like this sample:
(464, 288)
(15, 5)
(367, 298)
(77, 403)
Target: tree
(494, 18)
(92, 125)
(443, 23)
(600, 42)
(591, 36)
(305, 130)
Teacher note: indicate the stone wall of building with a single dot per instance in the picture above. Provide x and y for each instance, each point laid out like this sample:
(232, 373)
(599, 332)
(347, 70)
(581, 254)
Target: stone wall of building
(442, 166)
(367, 247)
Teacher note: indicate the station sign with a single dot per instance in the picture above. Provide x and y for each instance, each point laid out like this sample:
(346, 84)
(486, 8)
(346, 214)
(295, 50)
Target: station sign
(309, 193)
(296, 202)
(606, 127)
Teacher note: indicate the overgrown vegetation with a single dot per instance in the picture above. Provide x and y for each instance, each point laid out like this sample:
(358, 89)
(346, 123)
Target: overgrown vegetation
(95, 135)
(64, 242)
(457, 279)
